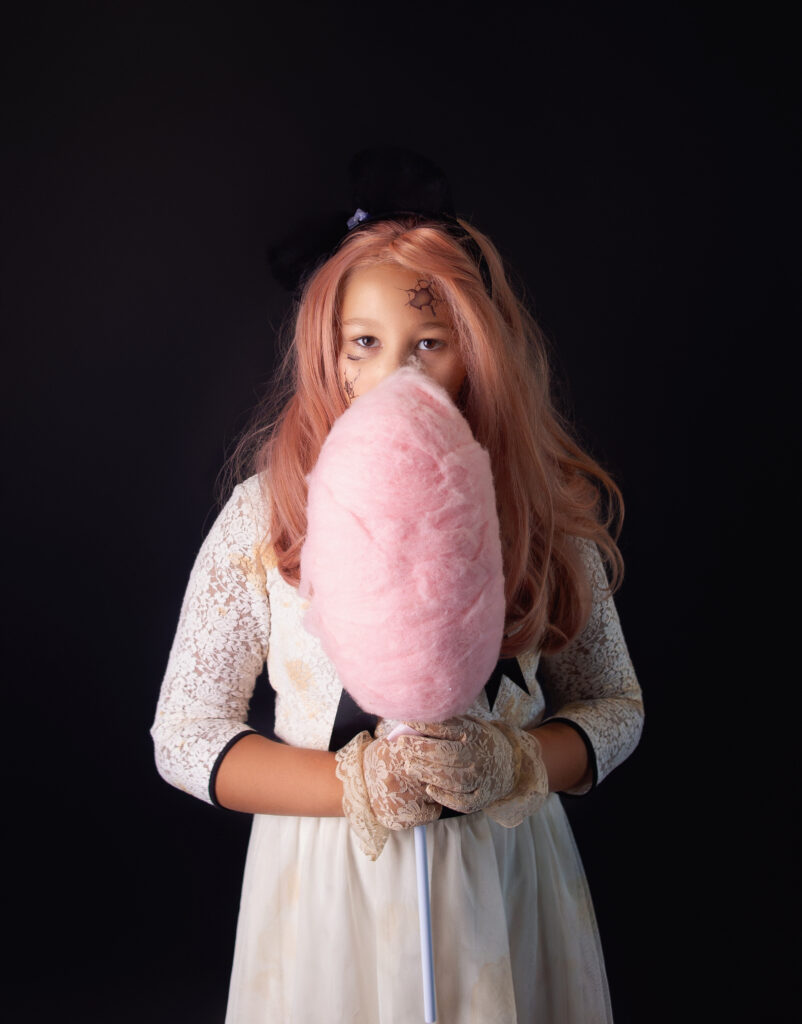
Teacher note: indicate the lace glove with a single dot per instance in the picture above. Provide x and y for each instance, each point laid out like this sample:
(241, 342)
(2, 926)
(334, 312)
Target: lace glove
(378, 793)
(469, 764)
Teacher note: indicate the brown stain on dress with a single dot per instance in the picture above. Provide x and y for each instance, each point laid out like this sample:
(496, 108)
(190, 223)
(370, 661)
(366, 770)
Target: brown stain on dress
(492, 998)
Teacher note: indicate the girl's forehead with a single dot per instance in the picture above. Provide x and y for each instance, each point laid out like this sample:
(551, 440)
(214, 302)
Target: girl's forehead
(381, 277)
(388, 288)
(392, 296)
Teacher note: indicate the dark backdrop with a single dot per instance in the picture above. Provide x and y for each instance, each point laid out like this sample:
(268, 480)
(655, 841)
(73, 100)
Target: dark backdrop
(637, 165)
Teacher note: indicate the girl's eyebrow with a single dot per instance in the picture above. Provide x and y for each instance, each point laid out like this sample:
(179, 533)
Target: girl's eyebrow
(365, 321)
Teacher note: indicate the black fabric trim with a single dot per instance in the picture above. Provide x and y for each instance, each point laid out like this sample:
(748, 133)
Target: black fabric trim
(350, 721)
(591, 753)
(219, 761)
(509, 667)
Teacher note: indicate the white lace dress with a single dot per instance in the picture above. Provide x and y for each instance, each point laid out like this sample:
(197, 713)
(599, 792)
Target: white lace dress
(325, 934)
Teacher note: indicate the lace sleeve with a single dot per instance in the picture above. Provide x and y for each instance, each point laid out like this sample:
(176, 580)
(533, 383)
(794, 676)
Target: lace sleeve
(591, 683)
(218, 650)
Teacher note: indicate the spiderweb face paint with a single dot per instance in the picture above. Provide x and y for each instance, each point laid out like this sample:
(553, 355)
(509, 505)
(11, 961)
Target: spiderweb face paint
(349, 387)
(422, 296)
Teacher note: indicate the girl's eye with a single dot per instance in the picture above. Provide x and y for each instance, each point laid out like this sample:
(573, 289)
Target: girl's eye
(367, 341)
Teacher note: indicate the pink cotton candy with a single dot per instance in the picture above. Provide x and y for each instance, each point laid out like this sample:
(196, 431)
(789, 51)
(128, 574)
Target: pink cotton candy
(402, 561)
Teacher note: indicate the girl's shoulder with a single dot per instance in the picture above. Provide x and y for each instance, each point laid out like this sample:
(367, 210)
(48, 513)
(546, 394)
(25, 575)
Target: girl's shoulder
(244, 519)
(253, 494)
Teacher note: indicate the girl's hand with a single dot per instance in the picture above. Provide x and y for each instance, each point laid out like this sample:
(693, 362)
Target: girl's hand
(399, 800)
(378, 793)
(469, 764)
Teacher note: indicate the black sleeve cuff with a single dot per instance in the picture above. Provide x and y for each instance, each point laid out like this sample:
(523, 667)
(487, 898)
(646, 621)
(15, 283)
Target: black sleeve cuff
(219, 761)
(591, 754)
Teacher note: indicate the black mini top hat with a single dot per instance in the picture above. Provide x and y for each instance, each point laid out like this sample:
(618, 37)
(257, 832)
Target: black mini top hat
(385, 181)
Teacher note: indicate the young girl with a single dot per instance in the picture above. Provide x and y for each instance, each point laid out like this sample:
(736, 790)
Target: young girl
(328, 925)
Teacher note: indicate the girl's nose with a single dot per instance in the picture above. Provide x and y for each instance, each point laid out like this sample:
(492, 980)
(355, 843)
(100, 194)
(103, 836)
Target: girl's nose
(394, 362)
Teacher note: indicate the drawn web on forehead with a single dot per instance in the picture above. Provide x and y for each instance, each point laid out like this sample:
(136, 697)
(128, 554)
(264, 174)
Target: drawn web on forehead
(421, 296)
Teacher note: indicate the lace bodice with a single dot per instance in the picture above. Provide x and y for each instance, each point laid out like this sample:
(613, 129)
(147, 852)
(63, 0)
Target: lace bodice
(238, 613)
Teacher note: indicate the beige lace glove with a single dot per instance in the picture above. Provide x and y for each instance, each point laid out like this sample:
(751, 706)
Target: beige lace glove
(469, 764)
(378, 792)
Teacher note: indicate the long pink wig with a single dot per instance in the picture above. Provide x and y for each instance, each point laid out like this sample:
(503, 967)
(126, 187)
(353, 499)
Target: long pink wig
(548, 489)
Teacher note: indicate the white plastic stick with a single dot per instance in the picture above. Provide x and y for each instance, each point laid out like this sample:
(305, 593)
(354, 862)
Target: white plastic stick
(424, 907)
(425, 920)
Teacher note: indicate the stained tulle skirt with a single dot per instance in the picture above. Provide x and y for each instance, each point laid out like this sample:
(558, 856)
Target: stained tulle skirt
(324, 934)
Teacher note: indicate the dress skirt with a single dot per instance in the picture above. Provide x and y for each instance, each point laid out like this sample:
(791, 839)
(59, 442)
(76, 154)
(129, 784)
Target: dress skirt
(326, 935)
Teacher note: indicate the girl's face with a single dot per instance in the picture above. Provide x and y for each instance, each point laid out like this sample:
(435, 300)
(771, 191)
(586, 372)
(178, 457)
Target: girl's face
(388, 316)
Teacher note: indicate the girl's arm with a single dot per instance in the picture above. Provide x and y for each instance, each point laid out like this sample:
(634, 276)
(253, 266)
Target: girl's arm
(203, 744)
(596, 715)
(593, 692)
(565, 756)
(261, 776)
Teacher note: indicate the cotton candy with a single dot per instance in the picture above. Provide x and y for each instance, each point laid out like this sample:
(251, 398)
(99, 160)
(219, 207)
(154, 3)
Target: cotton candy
(402, 566)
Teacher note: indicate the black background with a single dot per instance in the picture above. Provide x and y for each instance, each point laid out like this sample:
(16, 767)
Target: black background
(638, 166)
